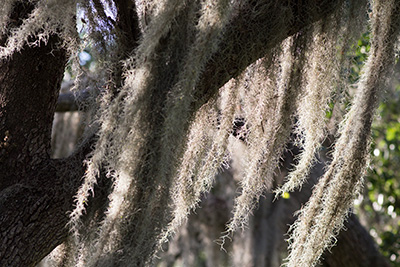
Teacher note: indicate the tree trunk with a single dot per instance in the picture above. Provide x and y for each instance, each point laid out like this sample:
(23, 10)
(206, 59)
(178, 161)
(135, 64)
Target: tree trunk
(32, 198)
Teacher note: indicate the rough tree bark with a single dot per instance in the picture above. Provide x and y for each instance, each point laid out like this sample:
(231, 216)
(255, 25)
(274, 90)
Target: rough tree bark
(36, 191)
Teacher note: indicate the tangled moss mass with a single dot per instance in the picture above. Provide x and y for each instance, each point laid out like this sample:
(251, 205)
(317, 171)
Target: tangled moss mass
(161, 142)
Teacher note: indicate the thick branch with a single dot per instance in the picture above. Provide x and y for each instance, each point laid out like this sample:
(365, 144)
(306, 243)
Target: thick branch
(29, 85)
(254, 31)
(32, 197)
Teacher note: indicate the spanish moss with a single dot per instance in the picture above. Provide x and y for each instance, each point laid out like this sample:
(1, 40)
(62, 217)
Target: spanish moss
(160, 142)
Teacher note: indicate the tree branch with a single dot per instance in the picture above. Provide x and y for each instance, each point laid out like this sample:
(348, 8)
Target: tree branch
(252, 33)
